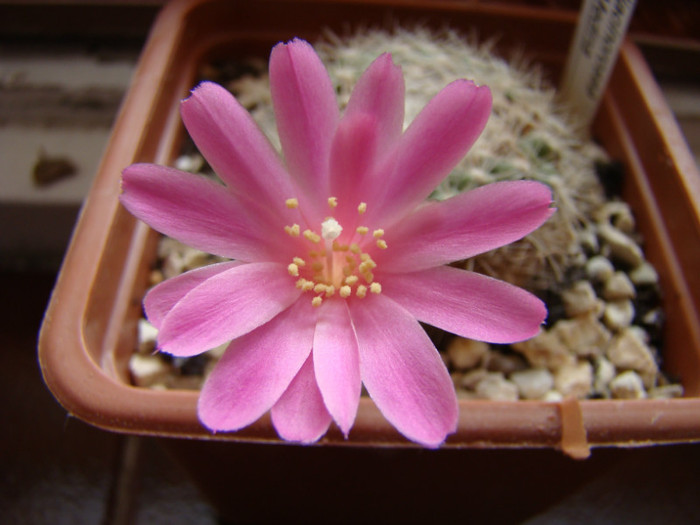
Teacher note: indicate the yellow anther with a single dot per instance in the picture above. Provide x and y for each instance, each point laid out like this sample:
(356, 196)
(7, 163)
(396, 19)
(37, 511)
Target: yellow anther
(293, 230)
(375, 288)
(330, 291)
(305, 284)
(299, 261)
(320, 288)
(293, 270)
(350, 259)
(316, 301)
(362, 230)
(311, 236)
(351, 280)
(317, 266)
(292, 203)
(345, 291)
(378, 233)
(362, 208)
(361, 291)
(365, 257)
(381, 244)
(337, 247)
(368, 276)
(367, 265)
(313, 254)
(347, 271)
(354, 248)
(332, 202)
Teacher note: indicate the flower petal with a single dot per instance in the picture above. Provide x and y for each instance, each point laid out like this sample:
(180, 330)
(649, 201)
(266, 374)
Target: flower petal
(160, 299)
(437, 139)
(468, 224)
(306, 111)
(467, 304)
(380, 92)
(226, 306)
(403, 371)
(256, 369)
(234, 146)
(300, 414)
(337, 363)
(193, 210)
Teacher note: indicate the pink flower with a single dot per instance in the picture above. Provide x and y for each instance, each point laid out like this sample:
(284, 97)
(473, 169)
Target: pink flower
(337, 255)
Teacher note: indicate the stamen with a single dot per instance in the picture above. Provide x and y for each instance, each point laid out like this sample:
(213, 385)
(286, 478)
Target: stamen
(351, 280)
(292, 203)
(299, 261)
(332, 202)
(293, 230)
(362, 208)
(362, 230)
(354, 248)
(381, 244)
(361, 291)
(311, 236)
(330, 291)
(316, 301)
(293, 270)
(345, 291)
(375, 288)
(378, 233)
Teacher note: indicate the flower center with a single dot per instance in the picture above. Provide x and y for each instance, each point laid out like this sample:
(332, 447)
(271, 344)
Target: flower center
(328, 266)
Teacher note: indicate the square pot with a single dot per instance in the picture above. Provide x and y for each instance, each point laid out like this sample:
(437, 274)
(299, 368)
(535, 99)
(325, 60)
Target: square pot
(89, 330)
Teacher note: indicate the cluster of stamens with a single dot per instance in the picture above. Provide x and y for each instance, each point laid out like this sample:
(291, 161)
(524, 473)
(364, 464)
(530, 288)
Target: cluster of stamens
(331, 267)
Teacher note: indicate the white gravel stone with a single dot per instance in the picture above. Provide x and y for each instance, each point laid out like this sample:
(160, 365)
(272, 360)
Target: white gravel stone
(466, 353)
(666, 392)
(507, 364)
(618, 315)
(147, 335)
(617, 213)
(472, 378)
(580, 299)
(574, 380)
(627, 385)
(644, 275)
(604, 373)
(192, 163)
(628, 352)
(599, 269)
(533, 383)
(621, 246)
(585, 336)
(148, 370)
(496, 387)
(545, 350)
(553, 397)
(618, 287)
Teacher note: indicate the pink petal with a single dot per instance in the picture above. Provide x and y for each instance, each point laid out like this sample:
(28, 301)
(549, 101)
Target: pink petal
(434, 143)
(467, 304)
(163, 297)
(403, 371)
(234, 146)
(193, 210)
(352, 160)
(380, 92)
(307, 115)
(468, 224)
(256, 369)
(336, 363)
(226, 306)
(300, 414)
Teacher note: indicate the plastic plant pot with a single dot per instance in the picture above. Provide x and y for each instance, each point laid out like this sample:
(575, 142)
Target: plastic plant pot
(89, 330)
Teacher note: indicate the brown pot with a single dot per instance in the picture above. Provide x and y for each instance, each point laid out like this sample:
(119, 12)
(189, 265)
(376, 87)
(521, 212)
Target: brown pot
(89, 330)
